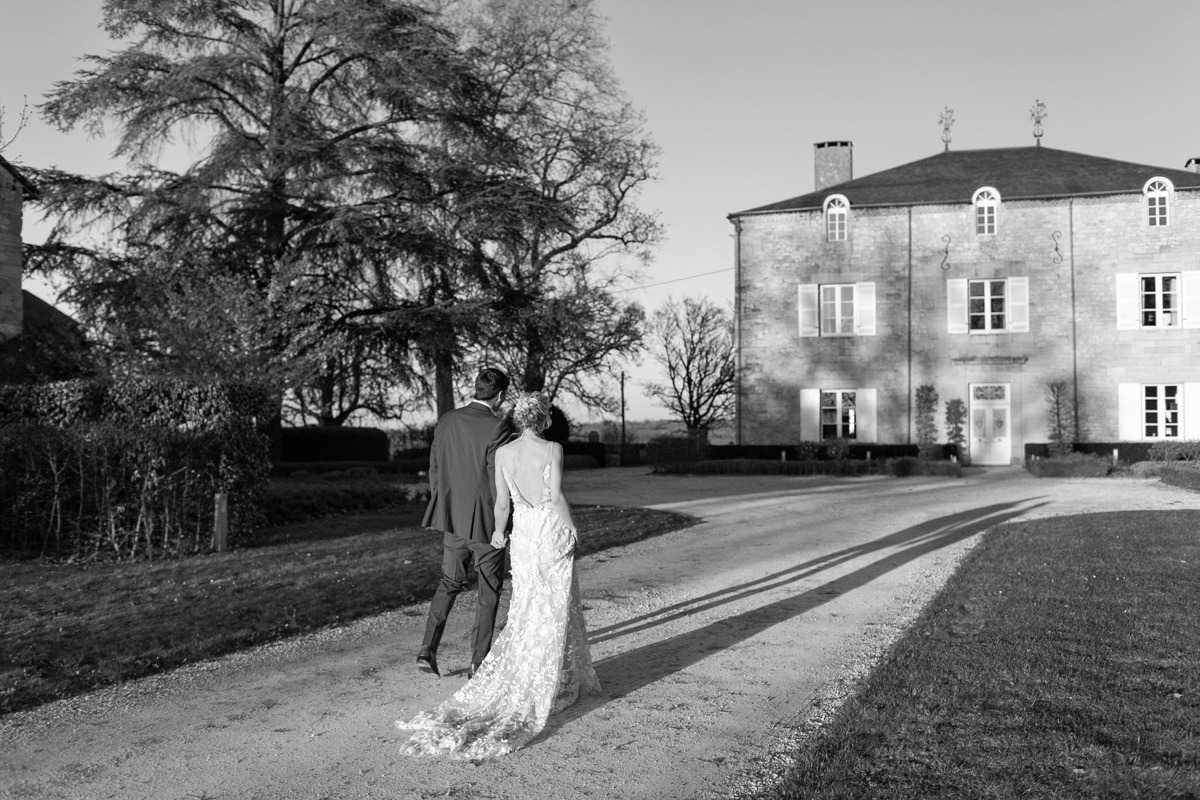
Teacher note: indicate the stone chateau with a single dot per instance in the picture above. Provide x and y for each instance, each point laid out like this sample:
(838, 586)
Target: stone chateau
(987, 274)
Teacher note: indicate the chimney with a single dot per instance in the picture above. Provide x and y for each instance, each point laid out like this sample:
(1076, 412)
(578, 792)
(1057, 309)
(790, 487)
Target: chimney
(1193, 164)
(833, 162)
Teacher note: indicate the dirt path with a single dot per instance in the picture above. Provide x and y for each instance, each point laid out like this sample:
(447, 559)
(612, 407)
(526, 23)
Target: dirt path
(714, 644)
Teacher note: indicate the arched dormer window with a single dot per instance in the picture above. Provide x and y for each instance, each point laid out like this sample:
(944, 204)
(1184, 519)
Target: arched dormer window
(1158, 207)
(987, 206)
(837, 217)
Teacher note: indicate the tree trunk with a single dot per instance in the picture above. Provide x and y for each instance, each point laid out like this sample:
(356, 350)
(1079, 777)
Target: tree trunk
(443, 381)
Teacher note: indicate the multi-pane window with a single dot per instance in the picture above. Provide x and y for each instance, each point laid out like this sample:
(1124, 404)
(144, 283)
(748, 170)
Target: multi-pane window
(1160, 301)
(986, 202)
(837, 309)
(1160, 410)
(836, 211)
(986, 302)
(1157, 193)
(838, 415)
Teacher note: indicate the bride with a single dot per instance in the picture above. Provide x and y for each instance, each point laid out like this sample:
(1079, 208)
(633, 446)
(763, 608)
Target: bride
(540, 663)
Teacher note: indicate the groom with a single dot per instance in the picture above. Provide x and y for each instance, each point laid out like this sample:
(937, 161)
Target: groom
(462, 465)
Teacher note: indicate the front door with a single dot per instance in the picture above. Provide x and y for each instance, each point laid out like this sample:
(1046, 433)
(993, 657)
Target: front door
(991, 441)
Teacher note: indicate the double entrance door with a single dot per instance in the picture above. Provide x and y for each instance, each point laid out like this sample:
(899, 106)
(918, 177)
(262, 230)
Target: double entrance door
(991, 415)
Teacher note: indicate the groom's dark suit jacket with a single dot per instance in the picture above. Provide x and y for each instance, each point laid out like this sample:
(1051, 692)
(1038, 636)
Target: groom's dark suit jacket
(462, 468)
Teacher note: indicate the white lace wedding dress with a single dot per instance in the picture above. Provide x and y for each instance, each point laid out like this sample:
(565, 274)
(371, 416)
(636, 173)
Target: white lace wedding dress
(539, 663)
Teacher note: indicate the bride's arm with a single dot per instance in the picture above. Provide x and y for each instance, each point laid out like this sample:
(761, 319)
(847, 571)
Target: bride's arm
(561, 506)
(503, 507)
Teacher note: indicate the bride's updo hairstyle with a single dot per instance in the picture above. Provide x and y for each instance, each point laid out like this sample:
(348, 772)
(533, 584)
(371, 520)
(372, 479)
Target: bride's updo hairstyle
(531, 412)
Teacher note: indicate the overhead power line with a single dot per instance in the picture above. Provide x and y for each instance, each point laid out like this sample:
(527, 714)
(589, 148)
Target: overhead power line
(677, 280)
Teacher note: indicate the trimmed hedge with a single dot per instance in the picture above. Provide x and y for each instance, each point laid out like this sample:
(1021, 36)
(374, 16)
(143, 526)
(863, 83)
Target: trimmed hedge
(1127, 452)
(333, 443)
(896, 467)
(1185, 477)
(1076, 465)
(808, 451)
(299, 499)
(593, 450)
(125, 469)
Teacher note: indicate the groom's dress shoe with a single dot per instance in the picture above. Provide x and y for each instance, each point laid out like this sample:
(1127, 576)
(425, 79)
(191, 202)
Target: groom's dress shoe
(427, 662)
(471, 670)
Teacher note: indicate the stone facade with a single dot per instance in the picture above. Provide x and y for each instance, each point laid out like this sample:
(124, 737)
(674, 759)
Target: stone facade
(1071, 250)
(11, 197)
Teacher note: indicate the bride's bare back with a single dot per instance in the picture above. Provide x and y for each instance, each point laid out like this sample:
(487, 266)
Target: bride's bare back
(525, 460)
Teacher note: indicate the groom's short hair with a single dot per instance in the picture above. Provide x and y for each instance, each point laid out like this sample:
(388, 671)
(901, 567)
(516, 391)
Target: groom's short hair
(489, 383)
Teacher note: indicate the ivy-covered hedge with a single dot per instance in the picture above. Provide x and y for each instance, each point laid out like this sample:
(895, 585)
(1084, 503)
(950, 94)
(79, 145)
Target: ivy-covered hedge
(126, 469)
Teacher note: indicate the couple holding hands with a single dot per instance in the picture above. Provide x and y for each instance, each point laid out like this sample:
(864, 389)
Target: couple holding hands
(482, 476)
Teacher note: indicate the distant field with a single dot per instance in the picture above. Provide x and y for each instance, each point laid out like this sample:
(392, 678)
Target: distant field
(642, 431)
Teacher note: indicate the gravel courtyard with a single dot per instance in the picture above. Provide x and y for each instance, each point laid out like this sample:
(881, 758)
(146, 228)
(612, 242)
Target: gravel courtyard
(717, 646)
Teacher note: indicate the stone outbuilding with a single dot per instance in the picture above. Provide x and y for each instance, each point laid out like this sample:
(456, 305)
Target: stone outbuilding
(15, 189)
(987, 274)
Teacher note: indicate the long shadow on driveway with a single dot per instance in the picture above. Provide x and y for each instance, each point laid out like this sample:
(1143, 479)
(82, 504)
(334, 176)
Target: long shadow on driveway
(632, 670)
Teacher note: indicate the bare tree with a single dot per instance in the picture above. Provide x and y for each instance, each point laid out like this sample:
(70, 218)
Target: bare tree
(693, 340)
(22, 121)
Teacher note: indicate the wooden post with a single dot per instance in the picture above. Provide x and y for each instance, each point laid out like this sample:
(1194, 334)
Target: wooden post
(221, 522)
(1115, 458)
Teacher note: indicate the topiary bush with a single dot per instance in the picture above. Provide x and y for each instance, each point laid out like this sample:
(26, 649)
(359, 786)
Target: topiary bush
(1183, 476)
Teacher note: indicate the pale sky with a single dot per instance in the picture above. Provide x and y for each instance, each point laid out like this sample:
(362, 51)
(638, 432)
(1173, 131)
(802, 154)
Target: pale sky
(736, 92)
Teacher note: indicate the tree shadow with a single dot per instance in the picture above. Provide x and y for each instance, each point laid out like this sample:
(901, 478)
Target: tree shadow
(629, 671)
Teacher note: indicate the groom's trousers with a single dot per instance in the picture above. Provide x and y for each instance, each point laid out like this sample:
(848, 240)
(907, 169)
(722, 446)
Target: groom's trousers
(458, 554)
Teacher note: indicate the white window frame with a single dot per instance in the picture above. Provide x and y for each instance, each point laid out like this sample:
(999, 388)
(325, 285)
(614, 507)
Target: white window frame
(845, 418)
(1130, 298)
(1158, 192)
(1164, 305)
(837, 218)
(986, 218)
(813, 316)
(1161, 421)
(834, 298)
(1016, 306)
(988, 285)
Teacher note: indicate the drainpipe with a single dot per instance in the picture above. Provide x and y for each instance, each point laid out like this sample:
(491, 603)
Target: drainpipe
(1074, 338)
(908, 416)
(737, 329)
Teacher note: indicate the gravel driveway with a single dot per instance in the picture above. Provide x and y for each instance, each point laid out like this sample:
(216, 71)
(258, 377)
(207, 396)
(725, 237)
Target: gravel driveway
(717, 646)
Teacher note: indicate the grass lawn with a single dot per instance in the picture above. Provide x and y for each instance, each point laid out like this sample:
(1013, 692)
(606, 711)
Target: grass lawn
(69, 628)
(1061, 660)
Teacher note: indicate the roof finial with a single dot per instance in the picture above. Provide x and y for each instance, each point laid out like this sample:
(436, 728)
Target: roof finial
(946, 120)
(1037, 114)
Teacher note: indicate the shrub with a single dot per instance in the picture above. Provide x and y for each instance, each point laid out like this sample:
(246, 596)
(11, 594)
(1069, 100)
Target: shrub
(1075, 465)
(674, 450)
(333, 443)
(1186, 477)
(927, 399)
(1175, 450)
(299, 499)
(748, 466)
(107, 491)
(906, 467)
(956, 420)
(902, 467)
(127, 467)
(1060, 418)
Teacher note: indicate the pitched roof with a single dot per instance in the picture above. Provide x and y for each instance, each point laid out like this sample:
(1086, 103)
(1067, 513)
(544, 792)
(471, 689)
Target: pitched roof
(1016, 172)
(28, 190)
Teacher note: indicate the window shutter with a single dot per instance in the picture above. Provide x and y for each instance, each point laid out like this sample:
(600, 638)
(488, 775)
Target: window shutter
(1191, 411)
(809, 321)
(1129, 412)
(956, 305)
(864, 312)
(1018, 305)
(1127, 302)
(1189, 293)
(810, 415)
(864, 401)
